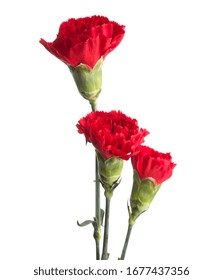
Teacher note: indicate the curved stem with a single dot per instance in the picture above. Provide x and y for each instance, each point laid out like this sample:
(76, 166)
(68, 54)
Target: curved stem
(126, 241)
(105, 253)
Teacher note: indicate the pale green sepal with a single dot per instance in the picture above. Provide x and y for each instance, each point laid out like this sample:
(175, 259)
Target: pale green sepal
(109, 173)
(143, 192)
(88, 80)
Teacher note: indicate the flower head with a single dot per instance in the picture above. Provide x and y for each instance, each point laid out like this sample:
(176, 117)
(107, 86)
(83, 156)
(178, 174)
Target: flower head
(152, 164)
(82, 44)
(85, 40)
(113, 134)
(115, 138)
(151, 169)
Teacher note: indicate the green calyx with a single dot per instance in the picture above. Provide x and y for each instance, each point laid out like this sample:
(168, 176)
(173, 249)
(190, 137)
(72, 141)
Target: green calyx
(88, 80)
(109, 173)
(143, 192)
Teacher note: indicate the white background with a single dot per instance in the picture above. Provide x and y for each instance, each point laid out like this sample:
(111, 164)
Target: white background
(167, 73)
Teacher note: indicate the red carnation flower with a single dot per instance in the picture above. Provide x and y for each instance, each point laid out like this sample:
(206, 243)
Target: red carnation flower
(85, 40)
(113, 134)
(152, 164)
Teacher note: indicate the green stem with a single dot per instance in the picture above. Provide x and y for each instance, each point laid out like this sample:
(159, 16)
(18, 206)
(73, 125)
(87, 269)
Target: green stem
(93, 106)
(105, 253)
(97, 243)
(126, 241)
(97, 228)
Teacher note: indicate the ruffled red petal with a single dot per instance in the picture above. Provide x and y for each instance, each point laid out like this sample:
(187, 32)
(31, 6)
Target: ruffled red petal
(85, 40)
(152, 164)
(113, 134)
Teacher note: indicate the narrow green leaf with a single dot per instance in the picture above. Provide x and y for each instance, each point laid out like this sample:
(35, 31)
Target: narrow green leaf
(85, 223)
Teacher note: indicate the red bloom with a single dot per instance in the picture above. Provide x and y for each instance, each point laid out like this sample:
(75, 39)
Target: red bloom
(151, 164)
(113, 134)
(85, 40)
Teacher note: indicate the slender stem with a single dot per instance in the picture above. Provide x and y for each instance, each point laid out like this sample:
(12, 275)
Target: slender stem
(93, 106)
(105, 253)
(97, 232)
(97, 243)
(97, 227)
(97, 193)
(126, 241)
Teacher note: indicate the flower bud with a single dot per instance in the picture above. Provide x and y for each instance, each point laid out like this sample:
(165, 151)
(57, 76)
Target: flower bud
(143, 192)
(109, 173)
(88, 80)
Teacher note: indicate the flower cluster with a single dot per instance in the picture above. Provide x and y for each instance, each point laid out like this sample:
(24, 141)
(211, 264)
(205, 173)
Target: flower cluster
(82, 44)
